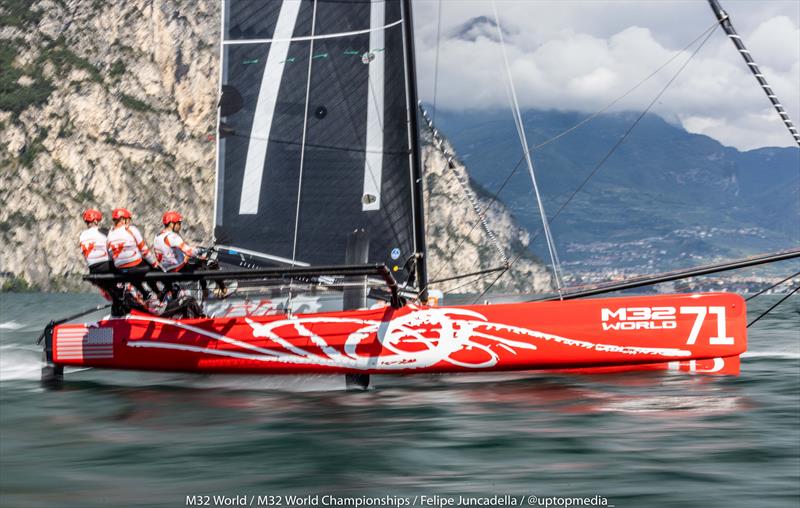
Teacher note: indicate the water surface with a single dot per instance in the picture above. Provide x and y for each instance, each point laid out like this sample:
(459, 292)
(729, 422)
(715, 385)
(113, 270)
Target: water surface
(638, 439)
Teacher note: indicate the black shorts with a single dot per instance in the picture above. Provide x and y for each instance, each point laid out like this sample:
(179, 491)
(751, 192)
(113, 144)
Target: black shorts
(104, 267)
(140, 269)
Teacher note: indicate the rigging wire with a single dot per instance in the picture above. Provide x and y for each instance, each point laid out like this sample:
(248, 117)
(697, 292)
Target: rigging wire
(630, 129)
(482, 215)
(629, 91)
(519, 162)
(772, 287)
(436, 61)
(527, 152)
(507, 268)
(302, 149)
(556, 137)
(795, 290)
(436, 78)
(478, 279)
(725, 22)
(305, 131)
(439, 144)
(471, 274)
(482, 221)
(592, 289)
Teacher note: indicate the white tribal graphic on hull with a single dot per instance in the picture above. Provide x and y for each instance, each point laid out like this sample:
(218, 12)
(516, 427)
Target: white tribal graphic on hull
(419, 339)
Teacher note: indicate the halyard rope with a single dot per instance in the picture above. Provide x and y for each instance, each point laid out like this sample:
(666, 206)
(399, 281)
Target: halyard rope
(551, 247)
(708, 32)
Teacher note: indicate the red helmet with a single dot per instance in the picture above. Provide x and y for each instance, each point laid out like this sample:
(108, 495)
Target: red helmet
(92, 215)
(120, 213)
(170, 217)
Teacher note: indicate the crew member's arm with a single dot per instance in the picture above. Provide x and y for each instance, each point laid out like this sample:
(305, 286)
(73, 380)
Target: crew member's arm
(147, 255)
(175, 240)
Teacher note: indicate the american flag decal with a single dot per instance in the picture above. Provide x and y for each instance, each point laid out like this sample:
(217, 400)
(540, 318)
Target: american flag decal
(77, 342)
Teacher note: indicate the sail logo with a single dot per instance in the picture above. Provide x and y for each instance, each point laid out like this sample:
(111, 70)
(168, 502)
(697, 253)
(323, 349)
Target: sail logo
(639, 318)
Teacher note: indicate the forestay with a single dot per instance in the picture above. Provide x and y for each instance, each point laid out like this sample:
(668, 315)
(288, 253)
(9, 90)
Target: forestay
(315, 136)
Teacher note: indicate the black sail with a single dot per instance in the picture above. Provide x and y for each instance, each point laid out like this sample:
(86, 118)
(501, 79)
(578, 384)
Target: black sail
(316, 138)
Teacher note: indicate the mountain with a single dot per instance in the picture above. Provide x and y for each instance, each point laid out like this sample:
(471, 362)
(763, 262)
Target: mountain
(106, 104)
(475, 28)
(114, 103)
(664, 199)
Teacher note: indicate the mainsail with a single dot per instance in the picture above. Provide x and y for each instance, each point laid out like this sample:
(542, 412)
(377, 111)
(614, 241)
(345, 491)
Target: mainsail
(317, 132)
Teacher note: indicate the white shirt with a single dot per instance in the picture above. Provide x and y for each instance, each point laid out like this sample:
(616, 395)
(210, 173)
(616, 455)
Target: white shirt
(171, 251)
(93, 246)
(127, 247)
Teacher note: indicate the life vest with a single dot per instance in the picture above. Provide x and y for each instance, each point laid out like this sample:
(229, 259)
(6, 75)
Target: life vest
(93, 246)
(171, 251)
(127, 248)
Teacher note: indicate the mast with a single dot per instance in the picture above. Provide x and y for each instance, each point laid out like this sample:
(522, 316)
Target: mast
(414, 156)
(725, 21)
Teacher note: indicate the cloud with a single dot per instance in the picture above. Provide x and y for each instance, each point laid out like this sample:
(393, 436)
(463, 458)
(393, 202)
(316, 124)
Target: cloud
(581, 56)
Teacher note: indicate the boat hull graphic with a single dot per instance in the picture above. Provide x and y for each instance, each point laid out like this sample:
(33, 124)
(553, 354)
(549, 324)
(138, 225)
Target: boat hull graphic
(699, 333)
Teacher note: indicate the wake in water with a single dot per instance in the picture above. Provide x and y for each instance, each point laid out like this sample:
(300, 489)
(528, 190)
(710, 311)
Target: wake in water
(787, 355)
(19, 362)
(10, 325)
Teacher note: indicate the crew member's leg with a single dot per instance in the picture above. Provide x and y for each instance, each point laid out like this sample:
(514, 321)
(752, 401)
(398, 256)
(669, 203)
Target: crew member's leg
(138, 271)
(109, 288)
(191, 268)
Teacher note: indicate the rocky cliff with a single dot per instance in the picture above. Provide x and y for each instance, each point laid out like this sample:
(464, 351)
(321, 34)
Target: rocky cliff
(457, 241)
(105, 103)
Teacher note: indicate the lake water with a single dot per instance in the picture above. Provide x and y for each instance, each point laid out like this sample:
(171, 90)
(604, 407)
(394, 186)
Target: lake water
(639, 439)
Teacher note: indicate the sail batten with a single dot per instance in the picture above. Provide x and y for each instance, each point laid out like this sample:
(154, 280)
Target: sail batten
(238, 250)
(314, 131)
(313, 37)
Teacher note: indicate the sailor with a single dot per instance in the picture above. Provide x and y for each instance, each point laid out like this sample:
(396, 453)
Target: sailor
(93, 243)
(175, 255)
(171, 251)
(128, 250)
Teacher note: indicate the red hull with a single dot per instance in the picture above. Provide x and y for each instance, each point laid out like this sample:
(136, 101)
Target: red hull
(703, 333)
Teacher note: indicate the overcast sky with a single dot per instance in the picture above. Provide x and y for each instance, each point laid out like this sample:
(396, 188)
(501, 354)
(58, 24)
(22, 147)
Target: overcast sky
(581, 55)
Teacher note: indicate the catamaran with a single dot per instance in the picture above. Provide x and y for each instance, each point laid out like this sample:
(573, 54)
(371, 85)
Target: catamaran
(319, 219)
